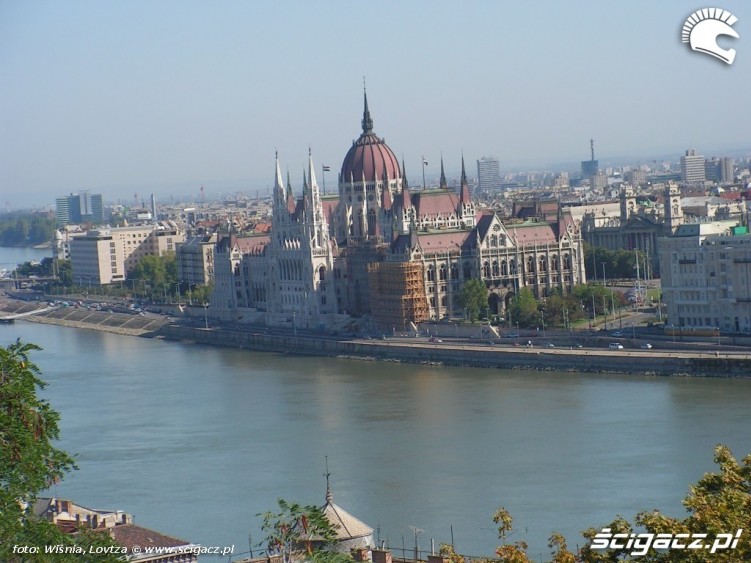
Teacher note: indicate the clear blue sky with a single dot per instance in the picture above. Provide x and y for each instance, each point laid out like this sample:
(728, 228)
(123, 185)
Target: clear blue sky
(163, 96)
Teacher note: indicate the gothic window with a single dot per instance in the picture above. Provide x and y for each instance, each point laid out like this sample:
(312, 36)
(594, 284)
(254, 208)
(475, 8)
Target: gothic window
(531, 265)
(442, 273)
(431, 273)
(321, 273)
(504, 268)
(454, 271)
(467, 271)
(486, 269)
(543, 265)
(566, 262)
(494, 241)
(554, 263)
(512, 267)
(496, 271)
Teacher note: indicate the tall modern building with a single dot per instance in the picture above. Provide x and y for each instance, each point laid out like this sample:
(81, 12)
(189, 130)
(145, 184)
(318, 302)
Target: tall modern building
(692, 168)
(488, 174)
(83, 207)
(590, 167)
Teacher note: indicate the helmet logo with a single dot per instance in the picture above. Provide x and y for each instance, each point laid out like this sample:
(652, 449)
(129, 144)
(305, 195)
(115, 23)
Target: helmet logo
(703, 27)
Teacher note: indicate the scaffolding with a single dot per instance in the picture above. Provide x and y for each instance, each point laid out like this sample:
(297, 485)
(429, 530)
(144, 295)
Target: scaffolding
(398, 293)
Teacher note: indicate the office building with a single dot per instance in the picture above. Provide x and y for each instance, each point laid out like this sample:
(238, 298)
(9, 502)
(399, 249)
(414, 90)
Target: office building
(104, 256)
(706, 273)
(488, 174)
(83, 207)
(692, 168)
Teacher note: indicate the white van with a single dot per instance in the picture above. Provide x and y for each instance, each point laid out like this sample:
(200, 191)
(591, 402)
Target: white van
(615, 346)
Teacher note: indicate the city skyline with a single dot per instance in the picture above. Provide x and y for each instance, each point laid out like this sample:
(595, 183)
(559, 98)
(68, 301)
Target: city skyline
(117, 98)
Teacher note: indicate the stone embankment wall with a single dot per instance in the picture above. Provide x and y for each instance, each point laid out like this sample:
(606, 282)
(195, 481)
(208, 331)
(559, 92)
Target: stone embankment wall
(405, 350)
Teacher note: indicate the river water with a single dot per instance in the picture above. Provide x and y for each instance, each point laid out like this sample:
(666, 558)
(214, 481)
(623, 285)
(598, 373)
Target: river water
(195, 441)
(10, 257)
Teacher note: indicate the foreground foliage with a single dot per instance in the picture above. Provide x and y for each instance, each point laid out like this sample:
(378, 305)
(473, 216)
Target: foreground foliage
(298, 531)
(29, 463)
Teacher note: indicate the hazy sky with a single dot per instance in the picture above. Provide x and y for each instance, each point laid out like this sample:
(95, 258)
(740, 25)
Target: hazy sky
(163, 96)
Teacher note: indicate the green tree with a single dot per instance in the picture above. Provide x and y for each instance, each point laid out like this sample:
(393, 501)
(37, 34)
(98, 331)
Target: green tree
(298, 529)
(202, 294)
(474, 298)
(29, 462)
(523, 308)
(65, 272)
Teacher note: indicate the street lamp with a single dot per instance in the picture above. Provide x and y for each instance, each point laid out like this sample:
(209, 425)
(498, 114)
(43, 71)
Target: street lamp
(206, 315)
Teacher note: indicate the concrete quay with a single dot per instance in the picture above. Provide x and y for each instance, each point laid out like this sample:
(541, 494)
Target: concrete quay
(420, 351)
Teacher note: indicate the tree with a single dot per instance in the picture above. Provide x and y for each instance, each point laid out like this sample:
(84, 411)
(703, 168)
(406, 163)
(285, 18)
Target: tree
(474, 298)
(523, 308)
(720, 503)
(29, 462)
(299, 529)
(560, 552)
(515, 552)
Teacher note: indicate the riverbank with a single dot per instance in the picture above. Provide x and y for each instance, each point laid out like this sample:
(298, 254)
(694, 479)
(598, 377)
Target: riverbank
(420, 351)
(593, 358)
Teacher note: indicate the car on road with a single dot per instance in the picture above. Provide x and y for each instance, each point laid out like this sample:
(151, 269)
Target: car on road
(512, 335)
(550, 345)
(436, 340)
(646, 346)
(617, 334)
(615, 346)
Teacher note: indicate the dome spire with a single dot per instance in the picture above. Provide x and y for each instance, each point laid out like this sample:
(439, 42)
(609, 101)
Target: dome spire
(367, 122)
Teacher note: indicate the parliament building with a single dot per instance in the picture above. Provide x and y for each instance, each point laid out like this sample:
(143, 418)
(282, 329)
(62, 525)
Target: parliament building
(382, 251)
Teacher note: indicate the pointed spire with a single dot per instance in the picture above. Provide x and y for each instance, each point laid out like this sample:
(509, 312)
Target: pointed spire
(464, 197)
(367, 122)
(404, 175)
(289, 186)
(311, 172)
(329, 496)
(443, 184)
(279, 184)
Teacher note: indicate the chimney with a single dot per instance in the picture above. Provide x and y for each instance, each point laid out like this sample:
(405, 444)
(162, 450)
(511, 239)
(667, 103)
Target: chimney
(381, 556)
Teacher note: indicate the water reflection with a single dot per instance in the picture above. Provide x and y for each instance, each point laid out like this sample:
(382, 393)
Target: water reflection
(196, 440)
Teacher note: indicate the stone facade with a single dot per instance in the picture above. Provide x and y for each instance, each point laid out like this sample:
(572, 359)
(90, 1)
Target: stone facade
(312, 269)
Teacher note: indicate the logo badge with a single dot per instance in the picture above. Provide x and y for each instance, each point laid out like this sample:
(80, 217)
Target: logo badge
(703, 27)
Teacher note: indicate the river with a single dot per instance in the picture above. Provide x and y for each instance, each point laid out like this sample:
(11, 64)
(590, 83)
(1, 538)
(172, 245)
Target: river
(195, 441)
(11, 256)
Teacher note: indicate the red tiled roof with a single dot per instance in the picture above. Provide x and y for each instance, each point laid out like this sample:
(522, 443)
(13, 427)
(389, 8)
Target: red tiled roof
(252, 244)
(130, 535)
(540, 233)
(437, 242)
(329, 205)
(430, 204)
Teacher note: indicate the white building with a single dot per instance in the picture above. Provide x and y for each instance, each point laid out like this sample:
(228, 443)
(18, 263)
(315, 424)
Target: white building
(706, 276)
(692, 168)
(104, 256)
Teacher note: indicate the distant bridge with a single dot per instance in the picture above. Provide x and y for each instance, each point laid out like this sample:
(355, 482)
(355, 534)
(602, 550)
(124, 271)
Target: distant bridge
(10, 318)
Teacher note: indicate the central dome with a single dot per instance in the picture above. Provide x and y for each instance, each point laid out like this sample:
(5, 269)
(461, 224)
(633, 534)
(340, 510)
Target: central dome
(369, 156)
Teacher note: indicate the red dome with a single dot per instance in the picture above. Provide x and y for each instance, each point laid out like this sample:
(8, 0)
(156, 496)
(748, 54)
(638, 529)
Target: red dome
(369, 156)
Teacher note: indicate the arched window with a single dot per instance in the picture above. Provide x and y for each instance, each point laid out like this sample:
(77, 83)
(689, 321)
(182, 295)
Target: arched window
(494, 241)
(431, 273)
(554, 263)
(566, 262)
(543, 265)
(454, 271)
(442, 272)
(321, 273)
(531, 265)
(512, 267)
(486, 270)
(496, 271)
(467, 271)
